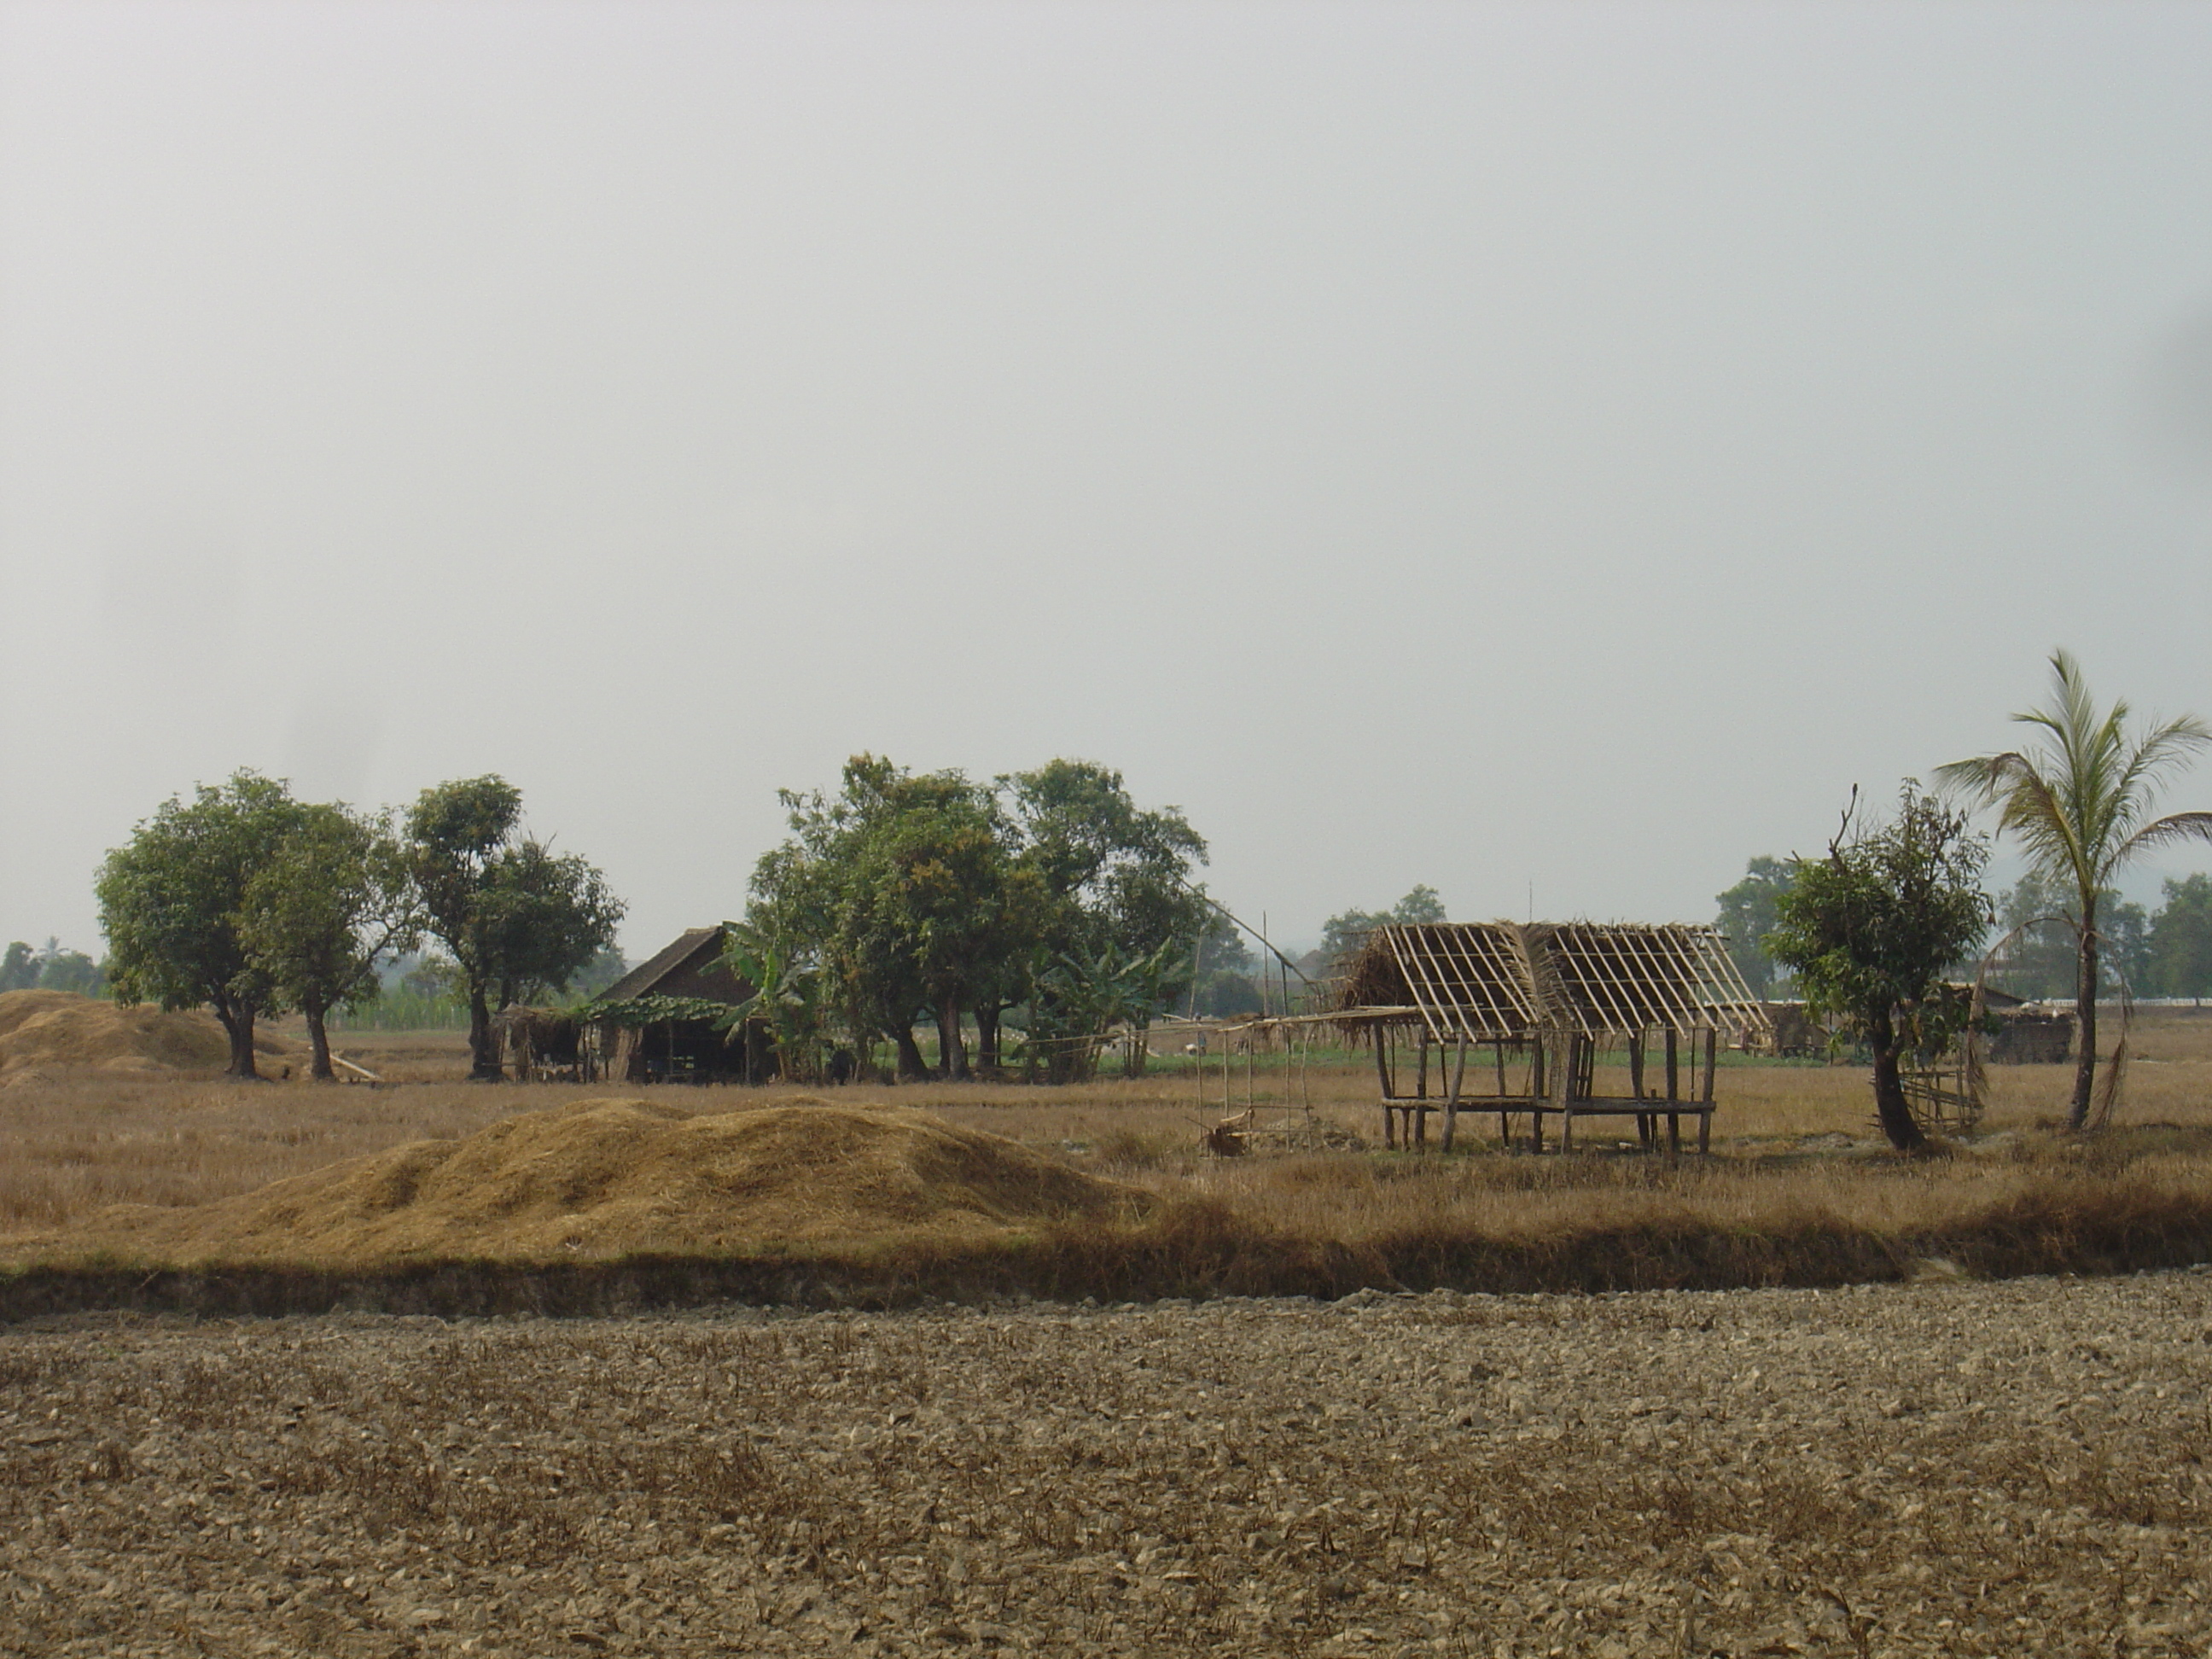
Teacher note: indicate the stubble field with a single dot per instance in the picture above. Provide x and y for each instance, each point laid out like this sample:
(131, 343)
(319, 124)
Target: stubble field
(1952, 1469)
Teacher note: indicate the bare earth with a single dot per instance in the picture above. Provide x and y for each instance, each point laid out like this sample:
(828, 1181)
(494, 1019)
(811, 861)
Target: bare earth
(1938, 1468)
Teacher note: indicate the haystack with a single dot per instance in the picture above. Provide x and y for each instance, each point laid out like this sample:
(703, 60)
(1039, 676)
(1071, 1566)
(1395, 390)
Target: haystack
(53, 1029)
(607, 1178)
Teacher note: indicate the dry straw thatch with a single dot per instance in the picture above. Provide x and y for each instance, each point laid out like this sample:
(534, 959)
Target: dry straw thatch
(1506, 981)
(607, 1178)
(53, 1030)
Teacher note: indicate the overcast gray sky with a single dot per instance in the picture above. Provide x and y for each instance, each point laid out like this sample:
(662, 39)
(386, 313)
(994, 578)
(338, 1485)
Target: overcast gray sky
(1555, 447)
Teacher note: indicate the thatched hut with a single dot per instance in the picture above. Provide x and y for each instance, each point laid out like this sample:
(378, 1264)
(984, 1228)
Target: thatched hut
(538, 1045)
(1580, 1020)
(668, 1020)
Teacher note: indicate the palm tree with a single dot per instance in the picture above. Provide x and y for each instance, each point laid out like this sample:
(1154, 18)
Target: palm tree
(2078, 802)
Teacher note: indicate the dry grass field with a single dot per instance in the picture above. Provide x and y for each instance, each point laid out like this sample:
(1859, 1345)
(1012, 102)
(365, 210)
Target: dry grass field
(1796, 1168)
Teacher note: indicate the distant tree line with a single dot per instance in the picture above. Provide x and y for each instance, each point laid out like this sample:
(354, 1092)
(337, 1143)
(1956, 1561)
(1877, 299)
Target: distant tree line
(249, 901)
(2166, 952)
(52, 969)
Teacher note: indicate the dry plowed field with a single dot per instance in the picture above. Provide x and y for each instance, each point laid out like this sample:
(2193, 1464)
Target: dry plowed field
(1929, 1469)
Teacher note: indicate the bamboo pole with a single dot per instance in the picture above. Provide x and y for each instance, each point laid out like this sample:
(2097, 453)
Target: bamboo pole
(1451, 1101)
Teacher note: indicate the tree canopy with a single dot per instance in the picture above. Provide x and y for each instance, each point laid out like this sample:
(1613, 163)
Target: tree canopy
(909, 891)
(517, 919)
(2180, 944)
(1343, 933)
(1748, 914)
(173, 902)
(332, 902)
(1871, 929)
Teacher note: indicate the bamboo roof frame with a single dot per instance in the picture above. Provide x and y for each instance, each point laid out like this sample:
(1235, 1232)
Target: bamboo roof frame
(1507, 982)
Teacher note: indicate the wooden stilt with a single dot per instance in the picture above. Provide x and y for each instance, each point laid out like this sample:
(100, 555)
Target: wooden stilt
(1705, 1117)
(1451, 1101)
(1504, 1118)
(1674, 1084)
(1382, 1081)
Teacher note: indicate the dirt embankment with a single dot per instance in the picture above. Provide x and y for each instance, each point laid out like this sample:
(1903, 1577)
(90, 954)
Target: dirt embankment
(47, 1031)
(610, 1178)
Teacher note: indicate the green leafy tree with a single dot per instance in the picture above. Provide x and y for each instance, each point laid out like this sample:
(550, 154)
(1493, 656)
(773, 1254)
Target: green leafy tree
(595, 975)
(331, 904)
(936, 887)
(1871, 929)
(517, 919)
(2181, 939)
(2038, 949)
(1078, 999)
(1748, 915)
(911, 890)
(1109, 873)
(791, 1000)
(1224, 974)
(173, 904)
(901, 891)
(1343, 934)
(2078, 800)
(18, 968)
(69, 971)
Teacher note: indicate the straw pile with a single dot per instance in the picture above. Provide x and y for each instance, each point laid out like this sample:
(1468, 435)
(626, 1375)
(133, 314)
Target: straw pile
(605, 1178)
(52, 1030)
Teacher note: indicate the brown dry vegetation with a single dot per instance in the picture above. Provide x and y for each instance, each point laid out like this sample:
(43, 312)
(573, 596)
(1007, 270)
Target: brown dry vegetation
(1800, 1189)
(1938, 1469)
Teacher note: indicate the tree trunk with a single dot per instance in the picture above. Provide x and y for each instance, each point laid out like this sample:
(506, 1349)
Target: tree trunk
(484, 1058)
(318, 1044)
(1890, 1104)
(912, 1068)
(987, 1037)
(237, 1019)
(951, 1049)
(2085, 1016)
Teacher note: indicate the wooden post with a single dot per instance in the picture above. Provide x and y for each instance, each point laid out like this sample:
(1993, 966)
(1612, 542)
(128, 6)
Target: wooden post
(1673, 1085)
(1451, 1101)
(1505, 1117)
(1382, 1081)
(1636, 1087)
(1705, 1117)
(1566, 1092)
(1420, 1113)
(1537, 1093)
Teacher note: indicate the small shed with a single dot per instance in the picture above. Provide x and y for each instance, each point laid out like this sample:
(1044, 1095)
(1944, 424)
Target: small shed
(667, 1020)
(1579, 1020)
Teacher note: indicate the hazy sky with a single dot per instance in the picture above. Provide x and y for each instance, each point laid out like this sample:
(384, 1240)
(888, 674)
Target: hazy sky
(1557, 447)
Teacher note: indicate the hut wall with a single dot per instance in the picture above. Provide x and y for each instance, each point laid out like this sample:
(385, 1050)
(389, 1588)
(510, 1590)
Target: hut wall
(2033, 1038)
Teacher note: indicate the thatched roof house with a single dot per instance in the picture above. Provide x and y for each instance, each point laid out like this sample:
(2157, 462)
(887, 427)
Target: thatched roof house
(691, 965)
(1555, 996)
(667, 1019)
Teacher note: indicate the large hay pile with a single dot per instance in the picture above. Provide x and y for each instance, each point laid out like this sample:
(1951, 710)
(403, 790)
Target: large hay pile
(607, 1178)
(56, 1029)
